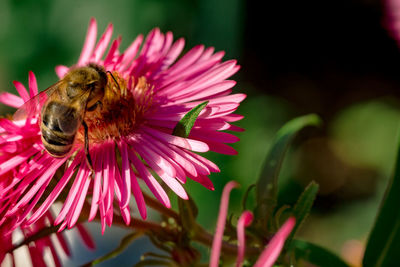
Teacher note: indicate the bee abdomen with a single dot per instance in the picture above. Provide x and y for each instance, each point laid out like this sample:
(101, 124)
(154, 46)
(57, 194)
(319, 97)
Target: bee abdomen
(56, 143)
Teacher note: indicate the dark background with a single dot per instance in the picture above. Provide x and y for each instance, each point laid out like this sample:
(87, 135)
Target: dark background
(333, 58)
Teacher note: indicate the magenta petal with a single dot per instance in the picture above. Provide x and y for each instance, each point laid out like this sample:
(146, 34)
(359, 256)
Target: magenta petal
(219, 232)
(153, 185)
(102, 43)
(187, 143)
(80, 198)
(33, 88)
(245, 220)
(11, 100)
(72, 195)
(61, 71)
(18, 159)
(89, 43)
(56, 191)
(98, 163)
(126, 175)
(21, 90)
(274, 247)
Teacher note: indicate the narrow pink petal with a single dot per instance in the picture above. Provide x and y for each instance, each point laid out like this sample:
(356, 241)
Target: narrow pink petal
(18, 159)
(126, 175)
(32, 204)
(46, 176)
(33, 88)
(98, 163)
(178, 141)
(131, 52)
(210, 165)
(152, 183)
(108, 150)
(219, 147)
(90, 41)
(206, 92)
(66, 209)
(171, 182)
(86, 237)
(61, 71)
(134, 185)
(274, 247)
(200, 167)
(245, 220)
(189, 58)
(80, 198)
(112, 52)
(215, 136)
(103, 43)
(21, 90)
(155, 157)
(219, 232)
(126, 215)
(172, 155)
(11, 100)
(235, 128)
(233, 117)
(203, 180)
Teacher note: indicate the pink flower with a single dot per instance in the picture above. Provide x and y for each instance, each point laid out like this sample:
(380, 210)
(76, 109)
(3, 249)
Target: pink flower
(131, 139)
(39, 246)
(271, 251)
(392, 18)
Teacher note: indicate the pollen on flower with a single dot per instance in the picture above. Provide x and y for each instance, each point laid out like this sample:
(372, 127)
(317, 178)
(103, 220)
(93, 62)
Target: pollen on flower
(121, 110)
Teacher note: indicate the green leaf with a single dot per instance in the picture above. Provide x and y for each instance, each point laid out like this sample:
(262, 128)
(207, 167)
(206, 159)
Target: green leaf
(383, 246)
(246, 196)
(316, 255)
(184, 126)
(266, 186)
(303, 207)
(125, 242)
(188, 213)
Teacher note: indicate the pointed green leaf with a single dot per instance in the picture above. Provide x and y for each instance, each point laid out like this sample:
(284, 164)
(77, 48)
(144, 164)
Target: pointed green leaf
(184, 126)
(125, 242)
(303, 207)
(316, 255)
(383, 246)
(188, 214)
(266, 187)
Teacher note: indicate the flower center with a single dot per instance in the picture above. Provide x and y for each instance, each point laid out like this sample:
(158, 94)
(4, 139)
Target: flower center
(121, 110)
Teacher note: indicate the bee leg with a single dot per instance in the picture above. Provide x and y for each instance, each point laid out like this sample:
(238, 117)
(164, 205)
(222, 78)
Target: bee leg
(88, 158)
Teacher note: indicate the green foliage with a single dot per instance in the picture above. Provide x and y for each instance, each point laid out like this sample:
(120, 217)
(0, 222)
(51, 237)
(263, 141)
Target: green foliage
(267, 185)
(303, 208)
(384, 241)
(316, 255)
(188, 214)
(184, 126)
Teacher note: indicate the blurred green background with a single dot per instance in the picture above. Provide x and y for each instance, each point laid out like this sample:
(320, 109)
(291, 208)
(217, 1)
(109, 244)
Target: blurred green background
(333, 58)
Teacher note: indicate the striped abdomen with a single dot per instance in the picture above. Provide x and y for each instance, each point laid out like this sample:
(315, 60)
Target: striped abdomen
(59, 126)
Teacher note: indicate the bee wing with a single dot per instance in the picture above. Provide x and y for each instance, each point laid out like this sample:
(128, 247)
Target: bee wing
(34, 105)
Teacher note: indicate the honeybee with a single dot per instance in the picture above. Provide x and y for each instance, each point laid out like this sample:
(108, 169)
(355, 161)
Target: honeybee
(63, 107)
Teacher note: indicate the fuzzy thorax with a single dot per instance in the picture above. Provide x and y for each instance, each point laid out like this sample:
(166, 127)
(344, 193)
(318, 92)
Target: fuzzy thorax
(121, 110)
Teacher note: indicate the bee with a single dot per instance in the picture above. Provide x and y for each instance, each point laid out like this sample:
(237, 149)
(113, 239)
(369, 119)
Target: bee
(63, 106)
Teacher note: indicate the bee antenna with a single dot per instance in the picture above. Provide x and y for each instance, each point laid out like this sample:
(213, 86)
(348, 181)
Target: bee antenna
(115, 80)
